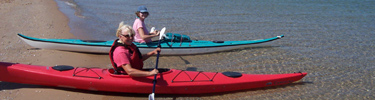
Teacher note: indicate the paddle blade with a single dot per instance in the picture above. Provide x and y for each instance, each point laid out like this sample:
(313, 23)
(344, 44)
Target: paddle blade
(152, 29)
(162, 33)
(151, 96)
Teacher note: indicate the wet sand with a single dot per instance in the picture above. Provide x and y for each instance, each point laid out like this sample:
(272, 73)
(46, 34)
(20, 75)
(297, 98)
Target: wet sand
(38, 18)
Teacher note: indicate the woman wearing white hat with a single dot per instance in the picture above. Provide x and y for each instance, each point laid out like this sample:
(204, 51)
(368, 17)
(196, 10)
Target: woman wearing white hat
(142, 35)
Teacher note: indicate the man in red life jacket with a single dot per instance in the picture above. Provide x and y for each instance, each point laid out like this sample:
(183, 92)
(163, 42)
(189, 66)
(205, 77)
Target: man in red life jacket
(126, 57)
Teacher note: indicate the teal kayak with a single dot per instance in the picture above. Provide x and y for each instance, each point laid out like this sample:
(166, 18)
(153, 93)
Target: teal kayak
(172, 44)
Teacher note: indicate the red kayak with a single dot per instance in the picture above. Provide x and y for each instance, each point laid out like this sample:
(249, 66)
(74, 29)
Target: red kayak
(169, 81)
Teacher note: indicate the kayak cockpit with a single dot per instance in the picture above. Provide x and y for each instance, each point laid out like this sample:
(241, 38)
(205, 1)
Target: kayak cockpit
(161, 71)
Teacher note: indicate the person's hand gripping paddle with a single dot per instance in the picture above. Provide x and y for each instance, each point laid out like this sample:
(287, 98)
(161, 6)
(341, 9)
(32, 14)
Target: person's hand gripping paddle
(152, 95)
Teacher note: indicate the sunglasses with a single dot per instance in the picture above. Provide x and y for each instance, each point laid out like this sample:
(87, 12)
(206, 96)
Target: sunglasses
(127, 36)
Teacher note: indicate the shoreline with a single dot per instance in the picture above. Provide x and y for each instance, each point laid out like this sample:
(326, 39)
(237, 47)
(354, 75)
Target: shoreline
(42, 19)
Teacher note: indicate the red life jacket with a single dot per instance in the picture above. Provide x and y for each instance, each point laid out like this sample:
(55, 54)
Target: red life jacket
(135, 60)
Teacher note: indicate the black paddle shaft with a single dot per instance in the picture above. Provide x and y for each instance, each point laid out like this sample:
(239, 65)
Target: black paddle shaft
(156, 67)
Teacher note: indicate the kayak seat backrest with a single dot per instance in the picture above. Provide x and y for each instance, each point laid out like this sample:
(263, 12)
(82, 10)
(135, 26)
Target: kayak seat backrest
(62, 67)
(116, 72)
(218, 41)
(93, 41)
(232, 74)
(174, 37)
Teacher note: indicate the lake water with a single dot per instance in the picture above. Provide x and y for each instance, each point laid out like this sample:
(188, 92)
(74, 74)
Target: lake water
(332, 40)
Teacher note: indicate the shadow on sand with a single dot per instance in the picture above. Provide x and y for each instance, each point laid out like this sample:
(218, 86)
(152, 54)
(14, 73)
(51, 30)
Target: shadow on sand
(11, 86)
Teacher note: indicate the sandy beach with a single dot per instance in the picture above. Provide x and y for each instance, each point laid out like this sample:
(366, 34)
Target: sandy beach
(39, 18)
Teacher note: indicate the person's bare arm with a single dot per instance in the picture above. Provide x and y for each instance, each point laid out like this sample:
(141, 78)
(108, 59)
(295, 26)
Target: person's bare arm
(138, 73)
(144, 36)
(149, 54)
